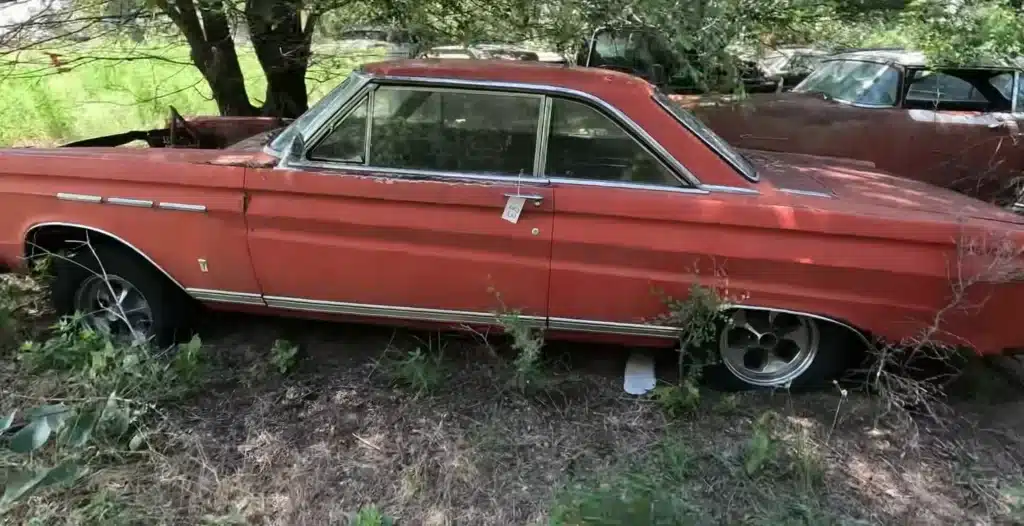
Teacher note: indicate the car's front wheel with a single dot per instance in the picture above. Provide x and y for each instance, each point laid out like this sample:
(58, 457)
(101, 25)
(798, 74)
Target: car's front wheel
(119, 294)
(772, 349)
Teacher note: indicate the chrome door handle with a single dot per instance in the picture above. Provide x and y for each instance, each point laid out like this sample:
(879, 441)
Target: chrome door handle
(528, 197)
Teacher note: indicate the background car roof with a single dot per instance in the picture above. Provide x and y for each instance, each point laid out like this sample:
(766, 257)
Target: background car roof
(917, 59)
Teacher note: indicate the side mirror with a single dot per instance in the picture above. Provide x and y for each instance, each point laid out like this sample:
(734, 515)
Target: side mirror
(658, 75)
(296, 148)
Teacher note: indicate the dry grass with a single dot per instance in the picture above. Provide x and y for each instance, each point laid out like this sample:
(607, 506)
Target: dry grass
(342, 429)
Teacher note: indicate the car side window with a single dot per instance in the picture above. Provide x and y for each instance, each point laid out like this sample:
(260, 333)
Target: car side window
(345, 143)
(454, 131)
(1003, 82)
(940, 87)
(584, 143)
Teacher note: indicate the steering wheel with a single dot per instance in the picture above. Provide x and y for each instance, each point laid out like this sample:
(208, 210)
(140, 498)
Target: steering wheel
(179, 126)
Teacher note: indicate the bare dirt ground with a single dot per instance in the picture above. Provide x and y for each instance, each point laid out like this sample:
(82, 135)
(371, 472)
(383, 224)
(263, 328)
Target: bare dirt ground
(337, 433)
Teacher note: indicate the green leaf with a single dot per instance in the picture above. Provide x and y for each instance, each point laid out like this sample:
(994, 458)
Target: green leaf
(64, 474)
(31, 437)
(82, 429)
(21, 484)
(5, 424)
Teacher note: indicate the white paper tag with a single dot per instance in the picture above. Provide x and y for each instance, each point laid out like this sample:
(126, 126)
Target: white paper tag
(513, 208)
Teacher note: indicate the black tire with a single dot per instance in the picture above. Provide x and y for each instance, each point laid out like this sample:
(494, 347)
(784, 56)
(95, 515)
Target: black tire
(838, 348)
(170, 308)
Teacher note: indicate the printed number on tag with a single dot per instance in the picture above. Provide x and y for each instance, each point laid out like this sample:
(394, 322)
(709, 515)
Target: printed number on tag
(513, 208)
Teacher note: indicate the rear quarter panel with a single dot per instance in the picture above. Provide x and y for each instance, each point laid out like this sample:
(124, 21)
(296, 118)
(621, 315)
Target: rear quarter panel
(175, 240)
(887, 272)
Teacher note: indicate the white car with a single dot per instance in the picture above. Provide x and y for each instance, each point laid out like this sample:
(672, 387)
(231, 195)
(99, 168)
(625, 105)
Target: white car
(389, 43)
(492, 51)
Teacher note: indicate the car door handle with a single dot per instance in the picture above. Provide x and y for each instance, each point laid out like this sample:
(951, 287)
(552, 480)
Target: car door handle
(528, 197)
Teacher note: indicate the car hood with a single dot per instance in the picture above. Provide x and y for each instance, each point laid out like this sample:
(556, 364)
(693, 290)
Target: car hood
(239, 157)
(860, 184)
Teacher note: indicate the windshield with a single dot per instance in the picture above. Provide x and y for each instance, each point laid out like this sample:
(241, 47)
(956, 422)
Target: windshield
(701, 130)
(280, 143)
(854, 81)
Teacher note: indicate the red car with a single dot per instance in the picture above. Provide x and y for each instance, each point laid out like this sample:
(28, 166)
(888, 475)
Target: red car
(574, 193)
(955, 127)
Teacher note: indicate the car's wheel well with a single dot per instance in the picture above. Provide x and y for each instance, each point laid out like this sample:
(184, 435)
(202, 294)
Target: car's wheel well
(62, 239)
(862, 336)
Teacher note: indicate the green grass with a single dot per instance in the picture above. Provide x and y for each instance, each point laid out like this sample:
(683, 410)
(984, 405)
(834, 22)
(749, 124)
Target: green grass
(131, 91)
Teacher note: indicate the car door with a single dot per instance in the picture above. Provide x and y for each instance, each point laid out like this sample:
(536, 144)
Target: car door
(623, 226)
(397, 210)
(1014, 124)
(966, 130)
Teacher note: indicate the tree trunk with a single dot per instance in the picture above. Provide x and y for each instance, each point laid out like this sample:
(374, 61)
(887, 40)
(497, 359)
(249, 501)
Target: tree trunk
(282, 46)
(224, 75)
(212, 51)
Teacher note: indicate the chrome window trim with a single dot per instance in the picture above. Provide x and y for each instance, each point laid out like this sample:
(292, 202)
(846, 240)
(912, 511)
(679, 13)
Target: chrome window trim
(754, 177)
(339, 169)
(726, 189)
(540, 159)
(545, 89)
(313, 139)
(368, 125)
(1014, 86)
(522, 89)
(630, 186)
(361, 80)
(369, 91)
(683, 183)
(331, 124)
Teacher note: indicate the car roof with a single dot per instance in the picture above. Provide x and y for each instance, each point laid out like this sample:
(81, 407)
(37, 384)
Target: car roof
(603, 83)
(917, 59)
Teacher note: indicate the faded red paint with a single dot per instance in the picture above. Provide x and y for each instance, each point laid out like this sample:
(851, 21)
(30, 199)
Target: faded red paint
(877, 255)
(931, 146)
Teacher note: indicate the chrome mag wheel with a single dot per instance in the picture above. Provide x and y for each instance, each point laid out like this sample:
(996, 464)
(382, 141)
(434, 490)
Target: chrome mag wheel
(768, 348)
(115, 307)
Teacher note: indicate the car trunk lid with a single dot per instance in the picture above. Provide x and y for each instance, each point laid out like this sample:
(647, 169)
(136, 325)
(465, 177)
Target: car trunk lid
(859, 183)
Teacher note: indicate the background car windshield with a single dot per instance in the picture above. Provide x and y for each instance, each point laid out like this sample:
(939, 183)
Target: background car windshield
(854, 81)
(280, 143)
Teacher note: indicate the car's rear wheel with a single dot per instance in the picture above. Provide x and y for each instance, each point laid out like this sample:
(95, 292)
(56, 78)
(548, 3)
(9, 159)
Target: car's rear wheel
(119, 294)
(772, 349)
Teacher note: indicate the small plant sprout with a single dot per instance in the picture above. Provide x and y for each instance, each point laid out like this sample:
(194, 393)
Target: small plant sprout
(527, 341)
(283, 356)
(422, 372)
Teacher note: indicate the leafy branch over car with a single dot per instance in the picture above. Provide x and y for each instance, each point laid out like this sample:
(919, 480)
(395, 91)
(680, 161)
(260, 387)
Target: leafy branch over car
(573, 191)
